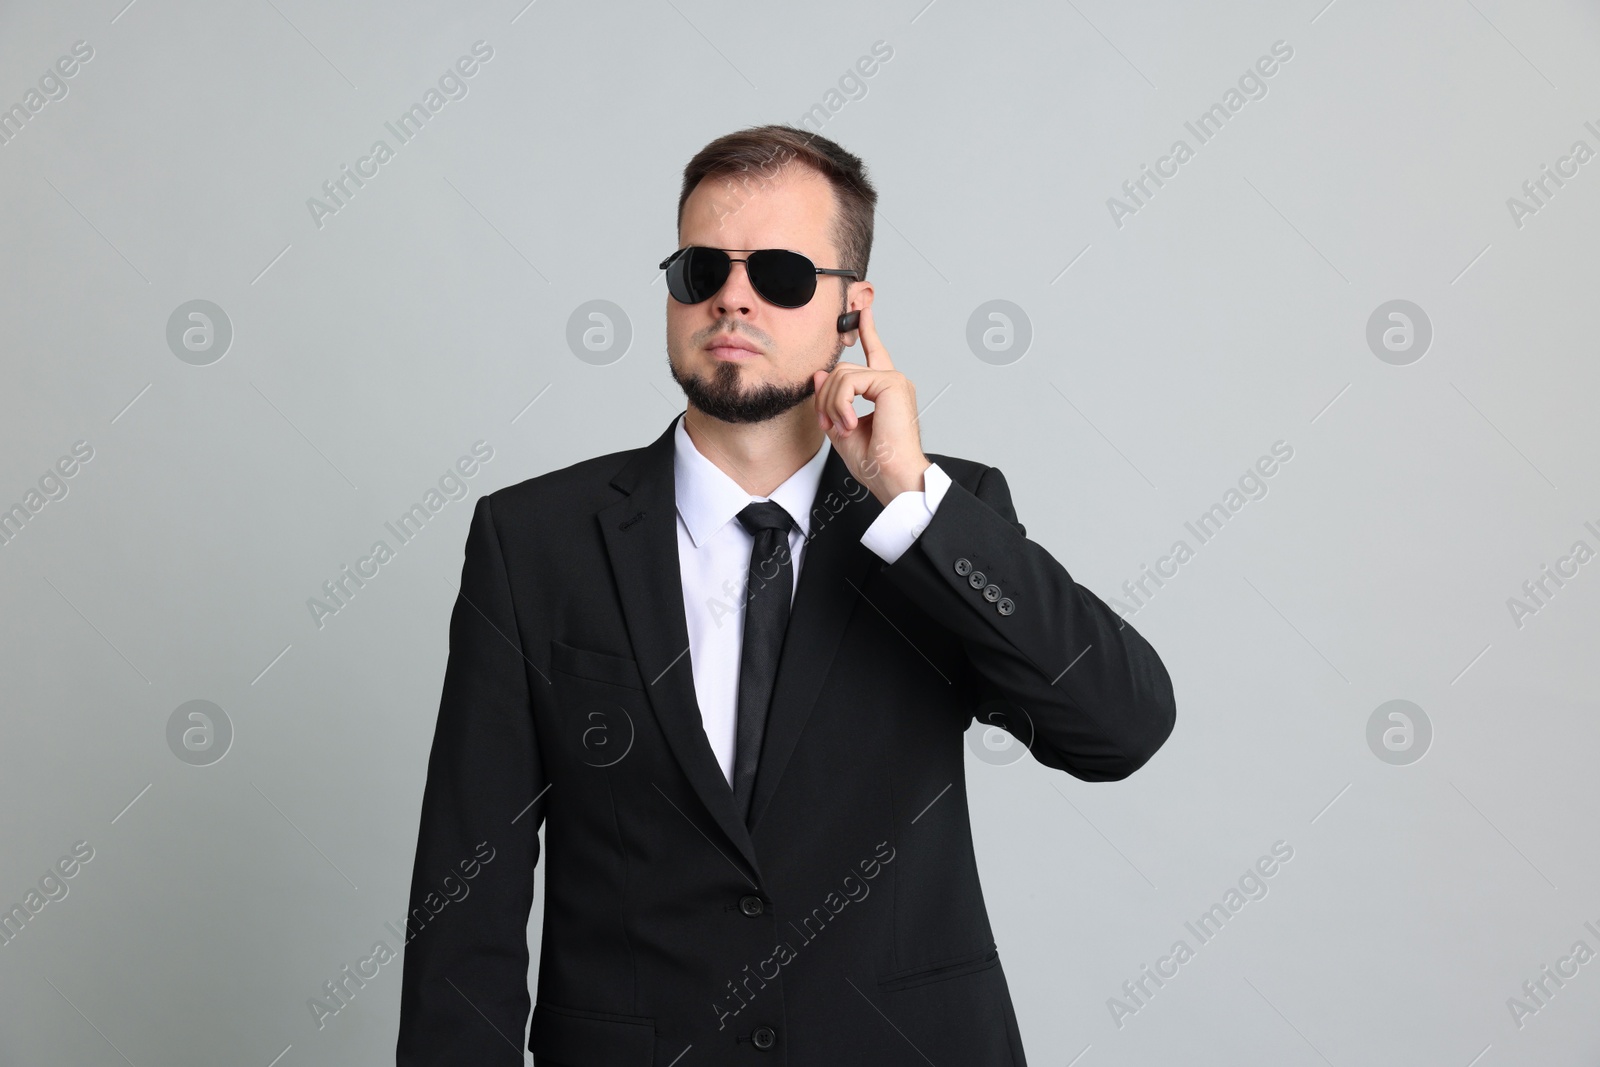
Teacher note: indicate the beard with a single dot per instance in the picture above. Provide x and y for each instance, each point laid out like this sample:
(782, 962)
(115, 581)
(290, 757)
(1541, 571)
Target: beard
(723, 396)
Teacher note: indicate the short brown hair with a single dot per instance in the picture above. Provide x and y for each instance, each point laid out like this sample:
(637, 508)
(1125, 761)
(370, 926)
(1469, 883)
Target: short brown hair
(767, 149)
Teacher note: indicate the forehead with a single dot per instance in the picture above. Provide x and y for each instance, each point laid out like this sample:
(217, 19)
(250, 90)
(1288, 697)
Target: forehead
(792, 209)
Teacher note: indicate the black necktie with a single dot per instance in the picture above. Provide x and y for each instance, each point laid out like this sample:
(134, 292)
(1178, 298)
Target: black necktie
(766, 617)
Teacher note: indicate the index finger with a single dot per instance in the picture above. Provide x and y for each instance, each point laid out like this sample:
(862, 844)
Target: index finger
(876, 355)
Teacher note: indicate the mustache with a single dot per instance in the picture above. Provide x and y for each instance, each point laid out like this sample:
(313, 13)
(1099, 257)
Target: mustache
(734, 328)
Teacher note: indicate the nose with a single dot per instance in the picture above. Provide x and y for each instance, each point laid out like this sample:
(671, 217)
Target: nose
(736, 295)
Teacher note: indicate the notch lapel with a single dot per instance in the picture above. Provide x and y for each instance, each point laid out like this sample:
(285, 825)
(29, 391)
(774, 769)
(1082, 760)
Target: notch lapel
(641, 538)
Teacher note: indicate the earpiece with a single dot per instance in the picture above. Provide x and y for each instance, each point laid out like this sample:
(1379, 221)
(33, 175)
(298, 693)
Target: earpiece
(849, 321)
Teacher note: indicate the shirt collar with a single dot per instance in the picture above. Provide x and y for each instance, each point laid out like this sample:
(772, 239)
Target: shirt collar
(708, 499)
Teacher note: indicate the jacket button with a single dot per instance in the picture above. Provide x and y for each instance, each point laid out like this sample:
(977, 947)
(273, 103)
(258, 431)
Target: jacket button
(750, 905)
(991, 592)
(976, 579)
(1005, 606)
(963, 567)
(764, 1037)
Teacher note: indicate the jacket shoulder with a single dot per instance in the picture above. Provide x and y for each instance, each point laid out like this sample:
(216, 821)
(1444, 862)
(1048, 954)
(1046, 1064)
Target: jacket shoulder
(967, 472)
(579, 488)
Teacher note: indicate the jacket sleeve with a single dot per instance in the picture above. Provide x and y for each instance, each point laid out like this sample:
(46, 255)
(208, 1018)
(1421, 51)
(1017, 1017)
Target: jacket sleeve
(1097, 700)
(464, 990)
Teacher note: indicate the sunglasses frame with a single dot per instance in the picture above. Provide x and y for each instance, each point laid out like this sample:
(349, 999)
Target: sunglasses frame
(853, 275)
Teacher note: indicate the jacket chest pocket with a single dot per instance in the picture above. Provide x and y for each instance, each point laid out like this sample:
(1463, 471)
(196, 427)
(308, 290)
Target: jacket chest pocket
(600, 702)
(595, 666)
(942, 971)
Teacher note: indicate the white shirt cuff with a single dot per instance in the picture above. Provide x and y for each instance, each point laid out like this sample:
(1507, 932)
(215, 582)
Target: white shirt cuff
(906, 516)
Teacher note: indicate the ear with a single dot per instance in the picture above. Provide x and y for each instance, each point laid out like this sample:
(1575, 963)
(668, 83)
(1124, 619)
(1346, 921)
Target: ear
(860, 296)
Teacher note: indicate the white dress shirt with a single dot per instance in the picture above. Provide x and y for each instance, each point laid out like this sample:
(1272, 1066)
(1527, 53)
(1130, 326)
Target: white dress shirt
(714, 560)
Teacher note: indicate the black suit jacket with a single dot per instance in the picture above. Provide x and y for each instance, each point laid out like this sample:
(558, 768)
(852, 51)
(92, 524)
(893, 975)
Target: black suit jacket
(846, 923)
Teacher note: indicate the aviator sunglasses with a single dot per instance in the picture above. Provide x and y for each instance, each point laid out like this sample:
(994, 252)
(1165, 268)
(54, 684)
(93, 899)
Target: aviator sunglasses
(781, 277)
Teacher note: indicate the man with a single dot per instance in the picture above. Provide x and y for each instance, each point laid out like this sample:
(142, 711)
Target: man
(730, 672)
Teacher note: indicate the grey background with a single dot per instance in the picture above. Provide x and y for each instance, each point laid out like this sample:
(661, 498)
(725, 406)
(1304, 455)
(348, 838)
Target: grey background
(1167, 355)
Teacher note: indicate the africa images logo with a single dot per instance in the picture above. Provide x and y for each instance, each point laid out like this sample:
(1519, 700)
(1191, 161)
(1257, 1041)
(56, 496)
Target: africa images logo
(452, 86)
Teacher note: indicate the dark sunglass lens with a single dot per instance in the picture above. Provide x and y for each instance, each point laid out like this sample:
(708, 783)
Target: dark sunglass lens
(787, 279)
(704, 271)
(697, 274)
(675, 283)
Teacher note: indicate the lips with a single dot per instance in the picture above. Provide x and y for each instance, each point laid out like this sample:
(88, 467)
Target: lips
(731, 348)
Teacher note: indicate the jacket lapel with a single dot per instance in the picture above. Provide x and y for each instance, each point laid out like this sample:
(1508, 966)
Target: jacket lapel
(641, 537)
(833, 569)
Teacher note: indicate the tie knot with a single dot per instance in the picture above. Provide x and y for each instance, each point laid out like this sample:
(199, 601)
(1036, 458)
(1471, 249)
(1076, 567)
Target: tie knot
(765, 515)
